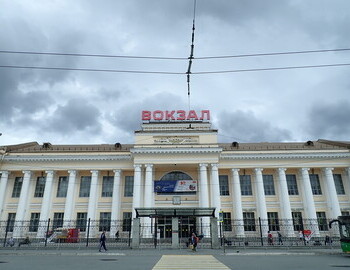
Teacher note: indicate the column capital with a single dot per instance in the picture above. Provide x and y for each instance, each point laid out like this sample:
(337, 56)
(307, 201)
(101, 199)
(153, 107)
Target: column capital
(257, 170)
(235, 170)
(72, 173)
(347, 169)
(137, 166)
(202, 165)
(94, 172)
(50, 173)
(7, 173)
(149, 165)
(27, 172)
(325, 170)
(283, 170)
(214, 165)
(305, 170)
(117, 171)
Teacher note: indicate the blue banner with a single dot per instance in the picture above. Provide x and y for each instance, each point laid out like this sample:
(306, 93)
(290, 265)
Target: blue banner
(170, 186)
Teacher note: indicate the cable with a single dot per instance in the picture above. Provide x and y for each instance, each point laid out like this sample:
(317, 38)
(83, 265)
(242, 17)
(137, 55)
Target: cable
(175, 73)
(173, 58)
(94, 70)
(271, 69)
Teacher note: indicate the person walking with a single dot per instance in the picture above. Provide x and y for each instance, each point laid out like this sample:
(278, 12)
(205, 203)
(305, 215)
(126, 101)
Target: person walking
(103, 241)
(194, 241)
(280, 241)
(269, 238)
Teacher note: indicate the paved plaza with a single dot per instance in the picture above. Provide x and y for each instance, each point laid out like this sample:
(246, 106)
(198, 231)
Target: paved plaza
(181, 259)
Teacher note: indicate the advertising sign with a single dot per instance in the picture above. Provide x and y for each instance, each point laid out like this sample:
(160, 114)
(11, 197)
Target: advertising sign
(170, 186)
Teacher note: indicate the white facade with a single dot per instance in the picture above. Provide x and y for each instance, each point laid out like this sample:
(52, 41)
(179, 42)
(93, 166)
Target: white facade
(308, 178)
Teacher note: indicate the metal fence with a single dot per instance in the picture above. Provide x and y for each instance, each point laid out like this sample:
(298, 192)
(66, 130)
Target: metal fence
(231, 233)
(278, 233)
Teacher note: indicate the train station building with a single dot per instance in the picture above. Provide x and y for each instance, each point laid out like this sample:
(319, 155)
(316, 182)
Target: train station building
(176, 162)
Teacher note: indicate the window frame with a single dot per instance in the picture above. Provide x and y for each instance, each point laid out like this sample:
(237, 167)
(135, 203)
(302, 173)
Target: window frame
(292, 184)
(62, 187)
(40, 187)
(245, 182)
(129, 186)
(107, 186)
(315, 184)
(224, 185)
(85, 185)
(17, 187)
(269, 185)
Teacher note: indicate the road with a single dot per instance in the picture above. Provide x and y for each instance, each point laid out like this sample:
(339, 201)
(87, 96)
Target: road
(174, 260)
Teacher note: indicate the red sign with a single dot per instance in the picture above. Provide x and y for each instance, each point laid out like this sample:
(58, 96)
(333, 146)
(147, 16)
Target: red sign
(179, 115)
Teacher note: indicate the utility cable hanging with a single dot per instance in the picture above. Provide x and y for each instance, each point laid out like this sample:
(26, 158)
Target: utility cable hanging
(191, 57)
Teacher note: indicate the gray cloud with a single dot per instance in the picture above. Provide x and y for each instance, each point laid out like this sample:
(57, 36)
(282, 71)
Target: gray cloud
(76, 115)
(330, 120)
(246, 127)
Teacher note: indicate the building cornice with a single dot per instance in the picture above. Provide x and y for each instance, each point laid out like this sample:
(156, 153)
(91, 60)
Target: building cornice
(180, 150)
(54, 158)
(254, 156)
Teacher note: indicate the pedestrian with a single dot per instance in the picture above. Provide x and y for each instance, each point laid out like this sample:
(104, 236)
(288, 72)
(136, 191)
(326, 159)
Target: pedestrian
(280, 241)
(301, 236)
(117, 236)
(194, 241)
(103, 241)
(269, 238)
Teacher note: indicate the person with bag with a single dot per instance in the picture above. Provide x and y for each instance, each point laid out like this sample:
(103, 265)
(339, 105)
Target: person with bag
(103, 241)
(194, 241)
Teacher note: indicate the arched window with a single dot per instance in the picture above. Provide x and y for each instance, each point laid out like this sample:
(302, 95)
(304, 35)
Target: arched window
(176, 175)
(174, 183)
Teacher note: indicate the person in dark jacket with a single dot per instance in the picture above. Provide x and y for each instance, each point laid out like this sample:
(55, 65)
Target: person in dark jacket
(103, 241)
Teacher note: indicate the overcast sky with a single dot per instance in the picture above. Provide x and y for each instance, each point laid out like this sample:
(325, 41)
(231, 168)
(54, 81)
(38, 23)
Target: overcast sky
(79, 107)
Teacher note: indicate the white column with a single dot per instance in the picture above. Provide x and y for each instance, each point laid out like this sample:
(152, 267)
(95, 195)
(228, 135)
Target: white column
(333, 203)
(115, 214)
(286, 211)
(45, 204)
(309, 203)
(3, 185)
(347, 170)
(215, 189)
(22, 204)
(237, 203)
(261, 202)
(148, 199)
(204, 195)
(136, 203)
(93, 195)
(70, 202)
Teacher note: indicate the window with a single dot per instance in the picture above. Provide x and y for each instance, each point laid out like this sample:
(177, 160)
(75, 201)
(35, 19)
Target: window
(34, 221)
(269, 186)
(105, 221)
(249, 221)
(82, 221)
(40, 187)
(297, 221)
(315, 184)
(174, 176)
(57, 220)
(226, 225)
(292, 184)
(345, 213)
(322, 221)
(272, 219)
(17, 187)
(246, 185)
(129, 186)
(223, 184)
(11, 221)
(85, 184)
(127, 221)
(62, 187)
(339, 184)
(107, 186)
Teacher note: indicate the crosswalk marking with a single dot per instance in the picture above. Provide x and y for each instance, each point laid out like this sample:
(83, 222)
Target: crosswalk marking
(190, 262)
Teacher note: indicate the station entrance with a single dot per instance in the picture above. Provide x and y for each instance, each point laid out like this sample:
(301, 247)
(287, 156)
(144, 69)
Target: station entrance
(172, 227)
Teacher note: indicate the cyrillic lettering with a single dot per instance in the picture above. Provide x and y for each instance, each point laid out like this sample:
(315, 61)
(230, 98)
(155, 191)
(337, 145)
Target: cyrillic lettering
(207, 112)
(181, 115)
(169, 115)
(192, 115)
(146, 115)
(158, 115)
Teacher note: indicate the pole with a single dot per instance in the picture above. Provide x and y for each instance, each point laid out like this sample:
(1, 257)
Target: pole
(88, 233)
(47, 231)
(261, 236)
(155, 233)
(129, 226)
(7, 229)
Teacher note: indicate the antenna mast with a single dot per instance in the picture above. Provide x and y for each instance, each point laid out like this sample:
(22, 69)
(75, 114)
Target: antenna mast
(190, 58)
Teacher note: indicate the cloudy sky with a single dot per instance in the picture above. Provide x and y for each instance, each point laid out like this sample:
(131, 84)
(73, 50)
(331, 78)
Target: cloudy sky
(81, 107)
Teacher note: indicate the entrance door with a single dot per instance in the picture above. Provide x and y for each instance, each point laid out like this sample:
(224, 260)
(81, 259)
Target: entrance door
(187, 225)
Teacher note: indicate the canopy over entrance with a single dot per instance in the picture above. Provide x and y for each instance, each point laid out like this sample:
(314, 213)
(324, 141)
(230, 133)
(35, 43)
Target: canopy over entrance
(175, 212)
